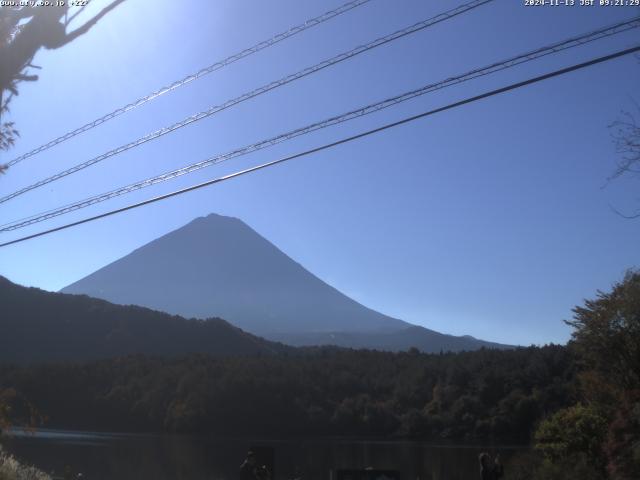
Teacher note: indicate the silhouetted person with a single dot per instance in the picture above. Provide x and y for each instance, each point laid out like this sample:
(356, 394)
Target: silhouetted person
(297, 473)
(67, 474)
(490, 469)
(251, 470)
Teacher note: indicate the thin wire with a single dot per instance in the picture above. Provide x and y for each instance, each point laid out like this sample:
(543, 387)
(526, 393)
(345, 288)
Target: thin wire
(249, 95)
(194, 76)
(450, 106)
(498, 66)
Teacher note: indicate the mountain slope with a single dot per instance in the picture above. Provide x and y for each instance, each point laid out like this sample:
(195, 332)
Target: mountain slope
(42, 326)
(218, 266)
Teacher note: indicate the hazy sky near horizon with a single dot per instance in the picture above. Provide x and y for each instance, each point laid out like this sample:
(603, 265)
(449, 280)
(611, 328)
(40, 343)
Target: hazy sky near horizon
(494, 219)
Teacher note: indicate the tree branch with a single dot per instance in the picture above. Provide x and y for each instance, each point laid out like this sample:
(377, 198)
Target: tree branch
(90, 23)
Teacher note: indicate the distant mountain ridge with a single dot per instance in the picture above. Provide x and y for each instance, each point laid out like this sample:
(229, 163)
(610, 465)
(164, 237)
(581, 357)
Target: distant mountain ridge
(38, 326)
(217, 266)
(428, 341)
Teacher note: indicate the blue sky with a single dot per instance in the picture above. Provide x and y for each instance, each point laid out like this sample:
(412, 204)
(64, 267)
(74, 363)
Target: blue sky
(492, 220)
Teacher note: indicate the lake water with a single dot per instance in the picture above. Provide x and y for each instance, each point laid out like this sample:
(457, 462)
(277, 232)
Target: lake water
(102, 456)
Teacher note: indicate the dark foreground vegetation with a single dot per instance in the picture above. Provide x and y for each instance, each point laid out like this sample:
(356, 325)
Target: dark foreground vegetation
(484, 394)
(12, 469)
(579, 405)
(598, 436)
(39, 326)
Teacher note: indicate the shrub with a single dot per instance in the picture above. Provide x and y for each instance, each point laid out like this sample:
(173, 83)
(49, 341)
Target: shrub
(11, 469)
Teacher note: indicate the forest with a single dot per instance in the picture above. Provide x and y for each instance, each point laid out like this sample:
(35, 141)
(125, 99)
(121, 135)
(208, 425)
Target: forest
(579, 405)
(39, 326)
(483, 394)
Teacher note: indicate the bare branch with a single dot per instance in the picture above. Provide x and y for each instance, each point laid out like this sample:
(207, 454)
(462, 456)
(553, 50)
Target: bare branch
(625, 133)
(628, 217)
(75, 15)
(90, 23)
(20, 41)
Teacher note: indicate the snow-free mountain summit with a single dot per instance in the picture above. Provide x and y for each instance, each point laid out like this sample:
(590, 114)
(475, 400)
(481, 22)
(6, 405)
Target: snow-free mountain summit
(217, 266)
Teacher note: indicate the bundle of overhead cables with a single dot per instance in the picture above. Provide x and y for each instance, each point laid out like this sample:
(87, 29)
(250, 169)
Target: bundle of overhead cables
(391, 101)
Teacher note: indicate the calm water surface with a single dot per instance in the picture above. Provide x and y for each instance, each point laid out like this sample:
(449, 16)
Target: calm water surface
(102, 456)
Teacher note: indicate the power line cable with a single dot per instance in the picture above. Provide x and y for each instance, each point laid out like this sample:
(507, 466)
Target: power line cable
(252, 94)
(511, 62)
(194, 76)
(450, 106)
